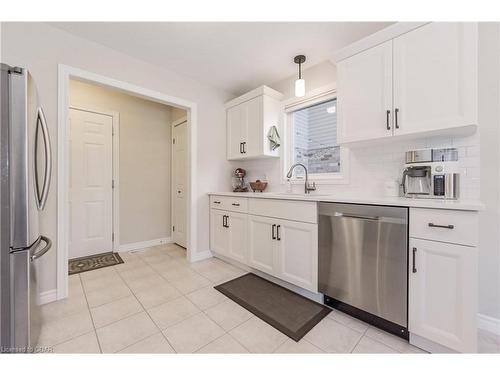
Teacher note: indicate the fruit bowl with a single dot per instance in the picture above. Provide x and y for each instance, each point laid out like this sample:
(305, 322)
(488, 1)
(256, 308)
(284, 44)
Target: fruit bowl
(258, 185)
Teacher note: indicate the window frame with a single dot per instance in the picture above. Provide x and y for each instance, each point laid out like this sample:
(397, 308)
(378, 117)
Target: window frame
(315, 97)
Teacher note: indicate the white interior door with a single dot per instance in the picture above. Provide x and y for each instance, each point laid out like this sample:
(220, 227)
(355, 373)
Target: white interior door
(179, 178)
(90, 190)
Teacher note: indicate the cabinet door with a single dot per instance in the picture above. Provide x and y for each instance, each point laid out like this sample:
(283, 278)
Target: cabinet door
(252, 127)
(298, 253)
(364, 89)
(442, 293)
(234, 120)
(219, 234)
(261, 245)
(435, 84)
(238, 227)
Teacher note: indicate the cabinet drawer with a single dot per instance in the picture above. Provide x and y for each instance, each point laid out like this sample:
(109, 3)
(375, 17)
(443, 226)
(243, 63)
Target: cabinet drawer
(284, 209)
(460, 227)
(235, 204)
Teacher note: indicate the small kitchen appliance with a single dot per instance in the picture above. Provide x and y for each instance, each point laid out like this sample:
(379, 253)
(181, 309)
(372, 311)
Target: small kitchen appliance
(431, 173)
(239, 184)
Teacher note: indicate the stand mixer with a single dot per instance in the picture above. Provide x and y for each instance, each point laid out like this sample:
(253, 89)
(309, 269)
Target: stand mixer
(239, 184)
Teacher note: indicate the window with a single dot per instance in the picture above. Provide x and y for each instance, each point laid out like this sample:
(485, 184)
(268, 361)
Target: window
(313, 134)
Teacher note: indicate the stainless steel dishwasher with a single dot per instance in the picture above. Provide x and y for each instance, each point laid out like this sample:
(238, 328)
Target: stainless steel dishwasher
(363, 262)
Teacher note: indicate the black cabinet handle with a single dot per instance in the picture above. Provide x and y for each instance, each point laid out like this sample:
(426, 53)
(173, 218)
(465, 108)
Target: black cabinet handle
(217, 202)
(224, 221)
(272, 232)
(396, 111)
(241, 147)
(432, 225)
(244, 144)
(388, 119)
(278, 237)
(414, 270)
(235, 204)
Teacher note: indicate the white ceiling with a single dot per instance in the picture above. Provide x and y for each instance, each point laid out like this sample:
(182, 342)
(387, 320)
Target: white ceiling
(235, 57)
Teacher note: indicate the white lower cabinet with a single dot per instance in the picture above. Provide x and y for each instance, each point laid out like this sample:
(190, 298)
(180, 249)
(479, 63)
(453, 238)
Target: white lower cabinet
(228, 234)
(442, 293)
(286, 249)
(219, 235)
(262, 243)
(297, 253)
(238, 224)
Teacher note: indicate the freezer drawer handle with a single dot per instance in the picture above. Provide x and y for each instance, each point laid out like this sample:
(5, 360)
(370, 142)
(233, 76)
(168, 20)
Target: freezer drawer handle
(414, 268)
(432, 225)
(39, 254)
(42, 196)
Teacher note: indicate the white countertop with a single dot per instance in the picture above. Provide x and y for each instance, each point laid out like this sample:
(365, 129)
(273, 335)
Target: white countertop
(465, 205)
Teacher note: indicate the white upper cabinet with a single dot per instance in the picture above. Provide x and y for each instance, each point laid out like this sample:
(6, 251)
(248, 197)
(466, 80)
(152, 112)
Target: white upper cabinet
(364, 95)
(435, 85)
(248, 120)
(422, 82)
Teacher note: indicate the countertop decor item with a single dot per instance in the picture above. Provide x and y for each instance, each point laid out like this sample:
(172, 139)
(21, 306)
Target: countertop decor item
(239, 185)
(258, 185)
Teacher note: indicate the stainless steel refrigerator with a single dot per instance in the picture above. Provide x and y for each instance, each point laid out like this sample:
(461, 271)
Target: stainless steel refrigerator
(25, 180)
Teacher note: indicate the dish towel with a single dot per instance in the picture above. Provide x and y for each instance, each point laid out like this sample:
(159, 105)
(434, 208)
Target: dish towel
(274, 137)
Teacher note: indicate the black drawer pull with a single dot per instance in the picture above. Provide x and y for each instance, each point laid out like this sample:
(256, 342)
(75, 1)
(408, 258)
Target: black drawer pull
(235, 204)
(432, 225)
(388, 119)
(216, 202)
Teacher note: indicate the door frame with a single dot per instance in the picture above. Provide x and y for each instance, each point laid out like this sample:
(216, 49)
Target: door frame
(65, 73)
(116, 165)
(172, 187)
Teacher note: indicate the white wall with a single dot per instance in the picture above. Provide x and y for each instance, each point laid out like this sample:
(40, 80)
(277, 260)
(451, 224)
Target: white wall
(145, 159)
(40, 48)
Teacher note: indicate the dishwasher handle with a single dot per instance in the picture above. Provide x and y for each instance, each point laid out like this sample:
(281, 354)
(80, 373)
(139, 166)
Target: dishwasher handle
(352, 216)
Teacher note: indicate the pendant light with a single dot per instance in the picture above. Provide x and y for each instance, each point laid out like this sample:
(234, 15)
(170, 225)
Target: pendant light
(300, 84)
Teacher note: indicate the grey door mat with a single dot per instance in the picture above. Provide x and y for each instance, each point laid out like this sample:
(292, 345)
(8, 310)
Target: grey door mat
(93, 262)
(288, 312)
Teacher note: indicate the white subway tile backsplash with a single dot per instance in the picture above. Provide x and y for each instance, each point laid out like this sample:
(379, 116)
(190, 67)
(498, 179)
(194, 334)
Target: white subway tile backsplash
(372, 166)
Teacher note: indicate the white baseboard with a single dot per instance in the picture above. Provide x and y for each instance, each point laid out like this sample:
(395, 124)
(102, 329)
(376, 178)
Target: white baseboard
(201, 256)
(488, 323)
(47, 297)
(144, 244)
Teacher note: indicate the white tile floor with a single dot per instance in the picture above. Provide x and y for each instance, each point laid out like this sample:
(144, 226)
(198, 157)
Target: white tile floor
(157, 302)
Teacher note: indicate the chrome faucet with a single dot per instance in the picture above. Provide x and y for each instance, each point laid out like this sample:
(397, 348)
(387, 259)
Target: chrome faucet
(307, 186)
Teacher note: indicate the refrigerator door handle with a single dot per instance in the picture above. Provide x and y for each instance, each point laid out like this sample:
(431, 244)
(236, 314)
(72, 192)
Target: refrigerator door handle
(42, 197)
(48, 244)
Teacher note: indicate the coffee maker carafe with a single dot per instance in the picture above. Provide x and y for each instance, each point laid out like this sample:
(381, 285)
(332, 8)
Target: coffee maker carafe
(417, 180)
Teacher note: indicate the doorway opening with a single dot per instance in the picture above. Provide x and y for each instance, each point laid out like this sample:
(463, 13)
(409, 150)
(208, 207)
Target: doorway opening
(125, 180)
